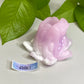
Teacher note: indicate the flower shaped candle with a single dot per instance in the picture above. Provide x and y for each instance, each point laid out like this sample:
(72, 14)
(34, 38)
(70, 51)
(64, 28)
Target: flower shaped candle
(51, 43)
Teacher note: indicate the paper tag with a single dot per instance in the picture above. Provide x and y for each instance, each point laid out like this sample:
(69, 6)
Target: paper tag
(24, 67)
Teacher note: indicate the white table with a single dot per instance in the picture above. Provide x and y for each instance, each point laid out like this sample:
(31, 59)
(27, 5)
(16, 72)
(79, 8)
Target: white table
(66, 72)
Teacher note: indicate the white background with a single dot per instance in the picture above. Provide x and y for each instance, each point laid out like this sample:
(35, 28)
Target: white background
(66, 72)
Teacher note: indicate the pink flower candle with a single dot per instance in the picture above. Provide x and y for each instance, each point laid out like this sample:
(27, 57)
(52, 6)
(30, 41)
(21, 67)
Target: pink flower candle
(51, 43)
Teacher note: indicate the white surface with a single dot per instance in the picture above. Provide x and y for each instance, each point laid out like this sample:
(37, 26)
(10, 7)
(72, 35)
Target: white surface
(66, 72)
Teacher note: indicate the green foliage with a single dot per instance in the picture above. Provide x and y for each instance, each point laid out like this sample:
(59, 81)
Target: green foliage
(43, 13)
(66, 11)
(17, 16)
(81, 3)
(79, 15)
(39, 4)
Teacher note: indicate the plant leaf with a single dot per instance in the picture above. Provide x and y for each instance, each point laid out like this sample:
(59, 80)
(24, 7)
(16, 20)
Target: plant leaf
(43, 13)
(79, 15)
(39, 4)
(16, 17)
(74, 1)
(66, 11)
(41, 7)
(81, 3)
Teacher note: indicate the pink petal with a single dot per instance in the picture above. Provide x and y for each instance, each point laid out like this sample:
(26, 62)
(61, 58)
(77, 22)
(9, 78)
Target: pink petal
(51, 41)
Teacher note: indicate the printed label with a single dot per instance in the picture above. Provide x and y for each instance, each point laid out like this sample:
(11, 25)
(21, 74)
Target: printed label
(24, 67)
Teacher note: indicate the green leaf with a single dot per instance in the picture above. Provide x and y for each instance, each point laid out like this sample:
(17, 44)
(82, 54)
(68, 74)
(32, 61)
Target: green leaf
(41, 8)
(74, 1)
(43, 13)
(81, 3)
(79, 15)
(16, 17)
(66, 11)
(39, 4)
